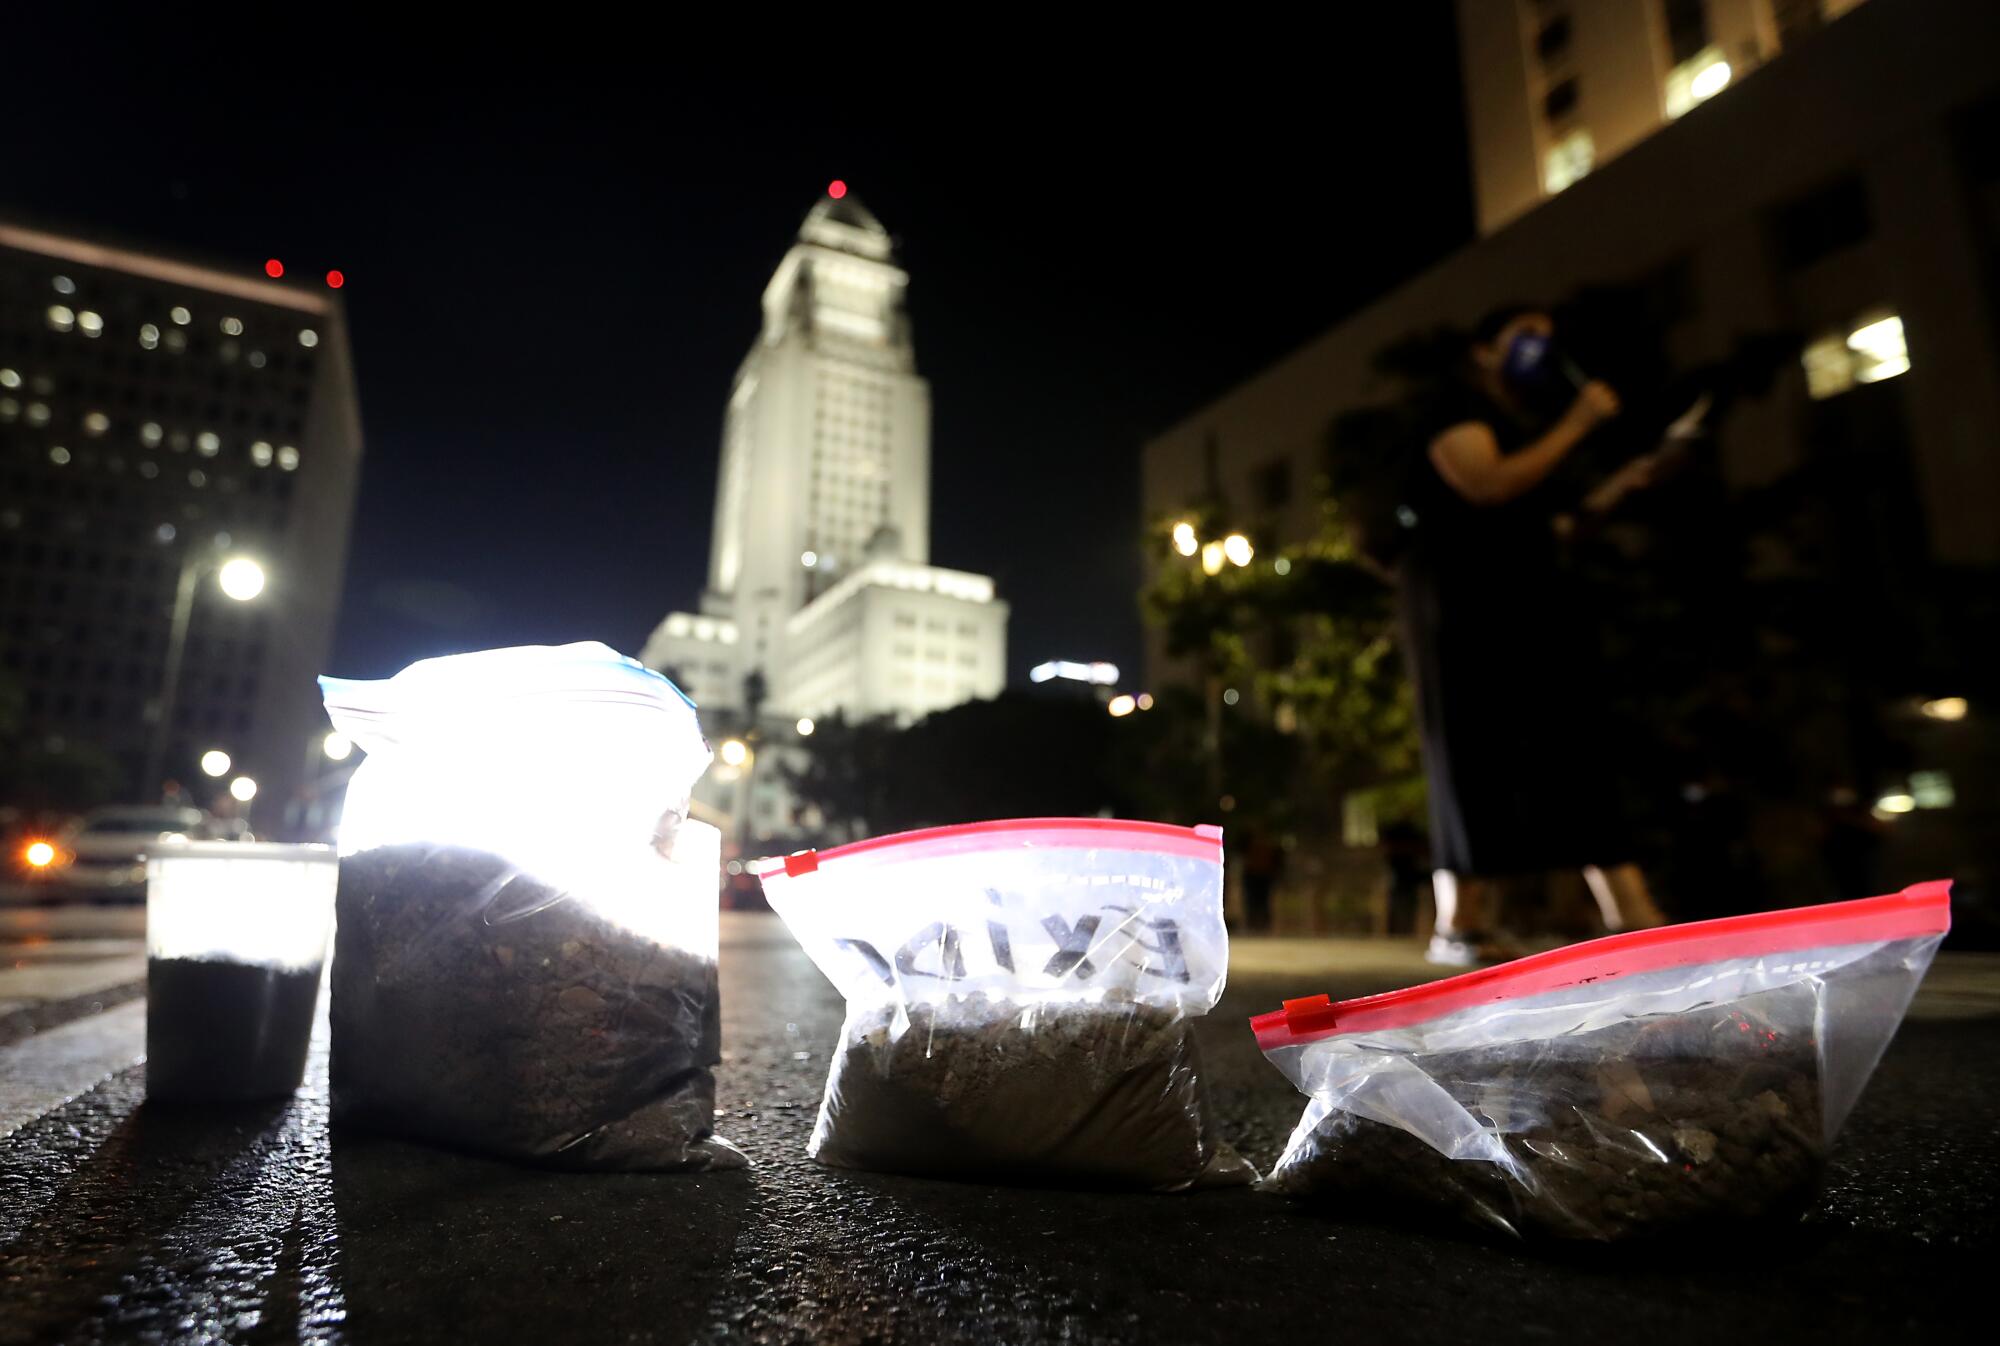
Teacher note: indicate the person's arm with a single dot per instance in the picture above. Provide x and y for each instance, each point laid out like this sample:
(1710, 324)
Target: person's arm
(1469, 459)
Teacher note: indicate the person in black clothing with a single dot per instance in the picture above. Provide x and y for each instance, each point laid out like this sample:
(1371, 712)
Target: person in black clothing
(1520, 778)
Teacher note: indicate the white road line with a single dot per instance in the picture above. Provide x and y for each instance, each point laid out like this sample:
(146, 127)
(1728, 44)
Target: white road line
(67, 981)
(47, 1070)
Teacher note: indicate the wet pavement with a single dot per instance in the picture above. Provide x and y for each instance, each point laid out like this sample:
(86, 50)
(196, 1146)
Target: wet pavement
(120, 1222)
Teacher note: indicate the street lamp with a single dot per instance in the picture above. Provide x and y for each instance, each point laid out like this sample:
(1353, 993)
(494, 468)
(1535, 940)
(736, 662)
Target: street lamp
(240, 578)
(243, 789)
(215, 762)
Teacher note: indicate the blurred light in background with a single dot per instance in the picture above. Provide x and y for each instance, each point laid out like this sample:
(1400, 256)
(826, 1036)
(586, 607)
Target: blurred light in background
(243, 789)
(1946, 708)
(1101, 673)
(805, 726)
(1145, 701)
(1282, 565)
(274, 268)
(241, 578)
(836, 189)
(337, 746)
(1211, 558)
(215, 762)
(1184, 539)
(335, 280)
(1238, 549)
(40, 854)
(1122, 704)
(1230, 696)
(735, 752)
(180, 316)
(808, 559)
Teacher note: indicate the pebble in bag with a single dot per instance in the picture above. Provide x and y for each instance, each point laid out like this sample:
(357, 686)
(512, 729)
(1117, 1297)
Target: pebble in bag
(1621, 1087)
(1019, 997)
(526, 926)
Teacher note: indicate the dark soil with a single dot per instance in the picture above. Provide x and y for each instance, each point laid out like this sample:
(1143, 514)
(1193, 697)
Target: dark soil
(225, 1032)
(1099, 1095)
(478, 1008)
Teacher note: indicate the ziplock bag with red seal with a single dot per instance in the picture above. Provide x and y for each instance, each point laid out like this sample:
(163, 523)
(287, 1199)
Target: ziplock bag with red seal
(526, 926)
(1620, 1087)
(1019, 999)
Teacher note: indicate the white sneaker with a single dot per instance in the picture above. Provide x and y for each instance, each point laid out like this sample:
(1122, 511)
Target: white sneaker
(1451, 951)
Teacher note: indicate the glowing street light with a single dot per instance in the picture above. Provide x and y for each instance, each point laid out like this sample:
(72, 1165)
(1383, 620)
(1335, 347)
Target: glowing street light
(734, 752)
(215, 762)
(805, 726)
(40, 855)
(337, 746)
(1211, 558)
(243, 789)
(1123, 704)
(1184, 539)
(1238, 549)
(241, 578)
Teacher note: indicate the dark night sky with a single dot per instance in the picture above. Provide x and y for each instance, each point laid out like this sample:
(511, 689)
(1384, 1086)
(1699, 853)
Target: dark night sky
(553, 272)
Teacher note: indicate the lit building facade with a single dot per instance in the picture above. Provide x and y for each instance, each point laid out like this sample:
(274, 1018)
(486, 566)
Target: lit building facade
(1843, 183)
(151, 410)
(1557, 88)
(819, 578)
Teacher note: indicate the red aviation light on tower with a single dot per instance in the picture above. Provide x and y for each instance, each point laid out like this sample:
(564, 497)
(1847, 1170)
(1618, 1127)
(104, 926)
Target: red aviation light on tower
(274, 268)
(836, 189)
(334, 280)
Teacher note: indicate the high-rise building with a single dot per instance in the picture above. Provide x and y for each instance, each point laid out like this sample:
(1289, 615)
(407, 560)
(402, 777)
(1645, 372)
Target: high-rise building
(819, 574)
(820, 588)
(157, 418)
(1557, 88)
(1840, 182)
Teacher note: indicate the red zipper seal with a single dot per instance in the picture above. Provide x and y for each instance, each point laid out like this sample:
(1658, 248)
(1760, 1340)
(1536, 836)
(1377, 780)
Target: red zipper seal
(1921, 909)
(1203, 842)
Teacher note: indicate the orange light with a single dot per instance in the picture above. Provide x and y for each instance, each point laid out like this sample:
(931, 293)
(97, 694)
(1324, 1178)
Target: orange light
(40, 854)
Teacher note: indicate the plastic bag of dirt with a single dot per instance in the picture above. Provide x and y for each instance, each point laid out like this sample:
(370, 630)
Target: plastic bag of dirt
(1020, 997)
(526, 927)
(1634, 1085)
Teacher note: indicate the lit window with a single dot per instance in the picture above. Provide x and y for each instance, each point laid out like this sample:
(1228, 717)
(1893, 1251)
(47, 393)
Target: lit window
(149, 336)
(232, 327)
(1872, 350)
(208, 443)
(9, 379)
(308, 337)
(61, 317)
(1696, 80)
(90, 324)
(180, 315)
(59, 455)
(1567, 160)
(260, 453)
(288, 458)
(1879, 349)
(96, 423)
(150, 434)
(64, 285)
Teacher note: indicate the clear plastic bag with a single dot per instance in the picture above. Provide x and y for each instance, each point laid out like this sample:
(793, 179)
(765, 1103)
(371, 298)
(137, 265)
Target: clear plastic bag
(526, 927)
(1622, 1087)
(1019, 996)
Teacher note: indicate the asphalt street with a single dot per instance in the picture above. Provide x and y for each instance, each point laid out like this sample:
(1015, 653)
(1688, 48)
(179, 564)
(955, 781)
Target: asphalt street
(119, 1222)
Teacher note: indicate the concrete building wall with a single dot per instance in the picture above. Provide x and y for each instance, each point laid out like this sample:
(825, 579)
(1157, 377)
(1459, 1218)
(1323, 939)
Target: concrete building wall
(1874, 96)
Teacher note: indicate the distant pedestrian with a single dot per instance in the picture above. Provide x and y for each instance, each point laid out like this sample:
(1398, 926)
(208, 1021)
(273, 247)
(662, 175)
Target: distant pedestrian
(1512, 721)
(1263, 862)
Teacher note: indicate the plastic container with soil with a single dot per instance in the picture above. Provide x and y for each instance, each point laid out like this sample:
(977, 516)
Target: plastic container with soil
(1020, 998)
(1635, 1085)
(236, 936)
